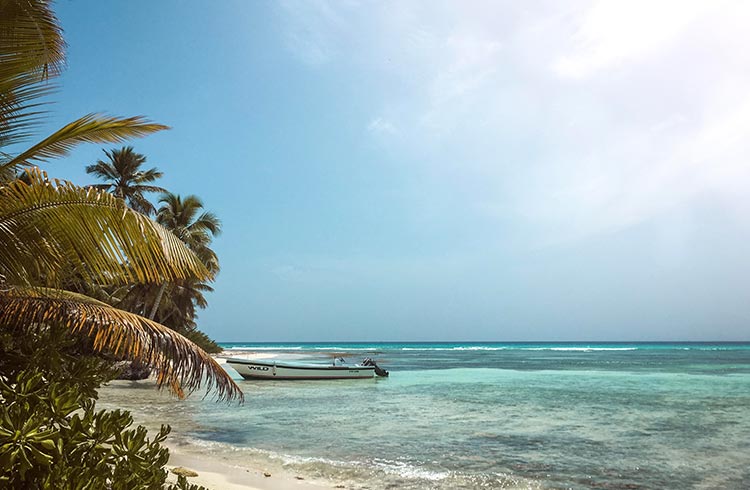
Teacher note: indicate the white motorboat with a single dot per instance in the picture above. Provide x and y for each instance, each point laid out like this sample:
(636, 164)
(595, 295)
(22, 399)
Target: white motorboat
(270, 369)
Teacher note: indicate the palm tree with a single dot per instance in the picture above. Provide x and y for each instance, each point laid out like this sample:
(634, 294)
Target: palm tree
(50, 229)
(125, 179)
(196, 228)
(185, 218)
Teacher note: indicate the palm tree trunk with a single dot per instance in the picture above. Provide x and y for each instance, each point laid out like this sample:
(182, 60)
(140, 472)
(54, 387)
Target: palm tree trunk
(157, 301)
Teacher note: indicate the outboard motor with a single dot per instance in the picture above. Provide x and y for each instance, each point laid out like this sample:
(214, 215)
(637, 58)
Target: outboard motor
(378, 370)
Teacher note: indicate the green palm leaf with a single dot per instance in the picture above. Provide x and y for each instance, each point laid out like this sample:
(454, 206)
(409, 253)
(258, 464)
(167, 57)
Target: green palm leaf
(125, 178)
(51, 230)
(47, 228)
(179, 363)
(32, 51)
(30, 39)
(92, 128)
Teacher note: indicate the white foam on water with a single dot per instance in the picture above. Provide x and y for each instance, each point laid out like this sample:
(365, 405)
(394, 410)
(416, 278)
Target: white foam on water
(406, 470)
(562, 349)
(397, 468)
(479, 348)
(456, 348)
(581, 349)
(253, 348)
(344, 348)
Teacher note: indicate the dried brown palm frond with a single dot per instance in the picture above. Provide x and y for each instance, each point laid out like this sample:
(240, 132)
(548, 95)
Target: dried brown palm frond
(50, 226)
(178, 362)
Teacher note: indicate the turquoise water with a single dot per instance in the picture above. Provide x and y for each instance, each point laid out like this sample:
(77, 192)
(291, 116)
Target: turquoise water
(489, 415)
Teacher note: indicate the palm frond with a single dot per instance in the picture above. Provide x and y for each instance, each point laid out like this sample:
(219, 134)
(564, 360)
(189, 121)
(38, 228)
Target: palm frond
(149, 188)
(92, 128)
(100, 187)
(179, 363)
(20, 109)
(207, 221)
(139, 203)
(30, 39)
(32, 50)
(102, 170)
(47, 227)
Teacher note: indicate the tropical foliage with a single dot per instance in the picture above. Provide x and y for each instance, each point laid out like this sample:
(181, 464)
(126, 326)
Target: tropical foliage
(125, 179)
(52, 436)
(58, 240)
(173, 303)
(53, 232)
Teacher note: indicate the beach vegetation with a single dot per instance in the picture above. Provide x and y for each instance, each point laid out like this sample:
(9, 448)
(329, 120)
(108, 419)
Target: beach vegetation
(52, 435)
(125, 179)
(174, 303)
(171, 303)
(196, 228)
(58, 241)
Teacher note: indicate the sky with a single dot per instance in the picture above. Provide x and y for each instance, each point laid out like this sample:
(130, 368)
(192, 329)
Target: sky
(442, 170)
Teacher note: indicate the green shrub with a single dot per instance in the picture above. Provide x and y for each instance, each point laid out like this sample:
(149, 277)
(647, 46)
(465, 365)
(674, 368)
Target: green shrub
(52, 436)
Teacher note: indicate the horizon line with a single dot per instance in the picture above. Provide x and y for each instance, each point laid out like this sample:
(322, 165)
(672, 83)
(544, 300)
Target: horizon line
(484, 341)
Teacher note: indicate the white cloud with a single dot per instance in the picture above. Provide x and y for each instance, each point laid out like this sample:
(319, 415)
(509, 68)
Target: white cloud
(312, 27)
(573, 118)
(379, 125)
(613, 32)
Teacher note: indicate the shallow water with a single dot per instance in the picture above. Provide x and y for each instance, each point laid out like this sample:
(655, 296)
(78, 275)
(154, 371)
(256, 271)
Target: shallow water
(611, 416)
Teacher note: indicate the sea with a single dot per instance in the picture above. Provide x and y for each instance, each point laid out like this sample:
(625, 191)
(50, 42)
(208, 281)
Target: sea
(487, 415)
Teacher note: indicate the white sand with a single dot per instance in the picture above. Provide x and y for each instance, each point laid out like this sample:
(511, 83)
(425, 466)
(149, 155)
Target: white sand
(217, 475)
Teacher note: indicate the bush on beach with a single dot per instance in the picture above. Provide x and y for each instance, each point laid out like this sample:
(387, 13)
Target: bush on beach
(52, 436)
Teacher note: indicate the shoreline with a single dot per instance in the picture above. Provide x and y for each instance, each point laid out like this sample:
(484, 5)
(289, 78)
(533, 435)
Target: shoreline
(517, 419)
(216, 474)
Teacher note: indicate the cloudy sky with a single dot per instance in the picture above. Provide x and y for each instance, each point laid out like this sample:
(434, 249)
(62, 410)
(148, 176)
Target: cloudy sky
(444, 170)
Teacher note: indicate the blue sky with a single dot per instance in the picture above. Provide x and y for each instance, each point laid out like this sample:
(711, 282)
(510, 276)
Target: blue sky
(443, 170)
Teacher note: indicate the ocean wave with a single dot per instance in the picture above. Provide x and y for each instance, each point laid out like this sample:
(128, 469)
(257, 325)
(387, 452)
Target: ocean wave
(562, 349)
(581, 349)
(401, 469)
(252, 347)
(345, 349)
(406, 470)
(398, 468)
(373, 473)
(310, 348)
(470, 348)
(457, 348)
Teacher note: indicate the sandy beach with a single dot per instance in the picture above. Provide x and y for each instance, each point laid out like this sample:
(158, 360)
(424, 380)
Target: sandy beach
(215, 474)
(543, 415)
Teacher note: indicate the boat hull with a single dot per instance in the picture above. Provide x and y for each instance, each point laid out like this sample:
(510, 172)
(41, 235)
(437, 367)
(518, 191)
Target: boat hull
(277, 370)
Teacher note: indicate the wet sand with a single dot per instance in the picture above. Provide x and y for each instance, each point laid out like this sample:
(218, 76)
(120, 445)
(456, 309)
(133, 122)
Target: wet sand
(215, 474)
